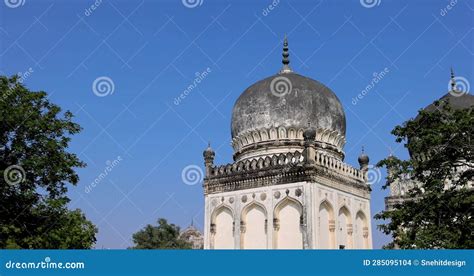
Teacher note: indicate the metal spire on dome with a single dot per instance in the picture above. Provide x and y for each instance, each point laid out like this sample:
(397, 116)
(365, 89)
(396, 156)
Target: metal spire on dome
(453, 81)
(286, 61)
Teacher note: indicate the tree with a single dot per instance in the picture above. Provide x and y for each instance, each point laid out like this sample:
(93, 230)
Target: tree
(35, 172)
(163, 236)
(437, 212)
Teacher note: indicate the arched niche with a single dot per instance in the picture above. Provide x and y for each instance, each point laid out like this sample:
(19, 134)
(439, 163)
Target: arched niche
(253, 226)
(361, 231)
(222, 228)
(326, 226)
(344, 227)
(287, 224)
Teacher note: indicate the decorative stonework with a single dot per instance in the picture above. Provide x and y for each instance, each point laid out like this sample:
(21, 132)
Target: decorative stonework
(282, 169)
(276, 224)
(349, 229)
(260, 139)
(242, 227)
(332, 225)
(288, 173)
(213, 228)
(365, 232)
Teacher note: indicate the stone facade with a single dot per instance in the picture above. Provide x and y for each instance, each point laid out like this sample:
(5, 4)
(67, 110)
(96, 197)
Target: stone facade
(296, 200)
(288, 186)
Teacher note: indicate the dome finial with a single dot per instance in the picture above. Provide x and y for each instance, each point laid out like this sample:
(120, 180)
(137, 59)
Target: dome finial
(286, 61)
(453, 81)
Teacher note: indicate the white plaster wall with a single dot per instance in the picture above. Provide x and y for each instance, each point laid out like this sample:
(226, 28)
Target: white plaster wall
(313, 194)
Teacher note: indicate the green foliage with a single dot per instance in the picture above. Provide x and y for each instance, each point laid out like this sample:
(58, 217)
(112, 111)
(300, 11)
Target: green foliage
(34, 136)
(163, 236)
(441, 149)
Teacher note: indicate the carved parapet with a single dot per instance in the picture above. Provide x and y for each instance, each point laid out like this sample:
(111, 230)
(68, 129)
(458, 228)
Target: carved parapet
(339, 167)
(281, 169)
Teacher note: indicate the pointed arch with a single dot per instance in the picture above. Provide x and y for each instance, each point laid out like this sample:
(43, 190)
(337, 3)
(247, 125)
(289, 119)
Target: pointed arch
(361, 231)
(287, 224)
(222, 227)
(253, 226)
(344, 232)
(326, 225)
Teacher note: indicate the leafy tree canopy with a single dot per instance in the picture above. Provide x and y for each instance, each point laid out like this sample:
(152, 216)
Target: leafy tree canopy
(35, 172)
(162, 236)
(434, 214)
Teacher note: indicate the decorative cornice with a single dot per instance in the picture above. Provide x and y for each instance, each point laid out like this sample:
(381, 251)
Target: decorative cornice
(262, 138)
(284, 169)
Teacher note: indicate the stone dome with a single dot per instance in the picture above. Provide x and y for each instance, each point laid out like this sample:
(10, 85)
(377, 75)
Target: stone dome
(457, 99)
(460, 101)
(271, 115)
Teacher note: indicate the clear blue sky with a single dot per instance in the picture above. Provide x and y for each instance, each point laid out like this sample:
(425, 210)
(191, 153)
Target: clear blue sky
(151, 50)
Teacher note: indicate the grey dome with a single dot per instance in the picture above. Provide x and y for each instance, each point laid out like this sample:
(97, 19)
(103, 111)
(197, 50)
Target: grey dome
(308, 101)
(461, 101)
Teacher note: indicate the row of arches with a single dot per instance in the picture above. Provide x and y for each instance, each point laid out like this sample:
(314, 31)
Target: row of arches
(348, 234)
(288, 227)
(254, 226)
